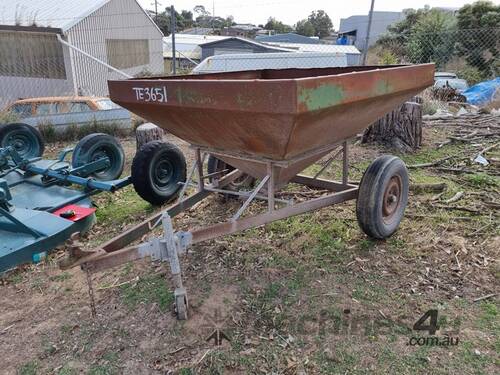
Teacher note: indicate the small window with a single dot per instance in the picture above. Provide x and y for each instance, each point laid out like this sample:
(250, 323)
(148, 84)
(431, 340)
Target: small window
(79, 107)
(46, 109)
(22, 110)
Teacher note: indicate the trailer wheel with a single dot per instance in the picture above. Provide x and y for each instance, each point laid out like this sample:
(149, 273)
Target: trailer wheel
(157, 169)
(98, 145)
(382, 198)
(216, 165)
(25, 139)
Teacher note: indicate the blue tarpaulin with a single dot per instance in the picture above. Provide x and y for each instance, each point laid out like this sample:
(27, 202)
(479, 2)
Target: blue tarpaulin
(483, 92)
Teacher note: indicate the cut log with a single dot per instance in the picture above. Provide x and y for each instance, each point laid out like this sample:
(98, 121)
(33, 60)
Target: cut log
(146, 133)
(400, 129)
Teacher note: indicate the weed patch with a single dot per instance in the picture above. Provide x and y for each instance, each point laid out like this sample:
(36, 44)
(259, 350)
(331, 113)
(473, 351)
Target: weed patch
(149, 289)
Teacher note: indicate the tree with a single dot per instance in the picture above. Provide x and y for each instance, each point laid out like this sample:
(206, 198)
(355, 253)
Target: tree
(398, 33)
(317, 24)
(424, 35)
(432, 38)
(478, 26)
(187, 18)
(321, 22)
(183, 20)
(278, 26)
(162, 20)
(305, 27)
(201, 11)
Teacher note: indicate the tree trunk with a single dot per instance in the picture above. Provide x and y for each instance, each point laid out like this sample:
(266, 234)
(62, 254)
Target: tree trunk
(146, 133)
(400, 129)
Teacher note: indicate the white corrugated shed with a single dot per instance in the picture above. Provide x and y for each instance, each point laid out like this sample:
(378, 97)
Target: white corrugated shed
(116, 19)
(93, 26)
(273, 60)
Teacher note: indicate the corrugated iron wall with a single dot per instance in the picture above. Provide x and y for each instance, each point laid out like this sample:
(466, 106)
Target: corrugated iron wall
(118, 19)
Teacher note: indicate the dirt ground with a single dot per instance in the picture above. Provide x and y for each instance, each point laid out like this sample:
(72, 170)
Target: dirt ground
(306, 295)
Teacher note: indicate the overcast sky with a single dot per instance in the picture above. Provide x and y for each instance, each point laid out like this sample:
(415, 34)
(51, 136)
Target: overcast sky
(290, 11)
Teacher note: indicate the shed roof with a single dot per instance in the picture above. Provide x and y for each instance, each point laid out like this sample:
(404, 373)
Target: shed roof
(302, 47)
(246, 41)
(287, 38)
(62, 14)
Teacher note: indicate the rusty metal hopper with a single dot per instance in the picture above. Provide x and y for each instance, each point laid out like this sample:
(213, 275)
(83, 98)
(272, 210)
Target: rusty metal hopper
(290, 115)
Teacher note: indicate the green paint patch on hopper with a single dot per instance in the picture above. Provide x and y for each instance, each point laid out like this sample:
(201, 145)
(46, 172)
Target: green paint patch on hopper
(383, 87)
(323, 96)
(192, 97)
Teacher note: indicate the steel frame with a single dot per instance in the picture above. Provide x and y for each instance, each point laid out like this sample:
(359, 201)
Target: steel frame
(172, 244)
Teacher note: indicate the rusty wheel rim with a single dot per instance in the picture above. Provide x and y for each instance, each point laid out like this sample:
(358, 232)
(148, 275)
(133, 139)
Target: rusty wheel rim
(392, 198)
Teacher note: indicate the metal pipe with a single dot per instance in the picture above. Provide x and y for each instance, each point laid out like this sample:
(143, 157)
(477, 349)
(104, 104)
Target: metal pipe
(245, 194)
(187, 58)
(92, 57)
(172, 31)
(345, 164)
(188, 181)
(368, 29)
(270, 187)
(85, 182)
(199, 161)
(230, 227)
(250, 198)
(327, 164)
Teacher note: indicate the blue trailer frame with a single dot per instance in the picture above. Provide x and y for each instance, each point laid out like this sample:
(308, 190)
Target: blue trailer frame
(31, 190)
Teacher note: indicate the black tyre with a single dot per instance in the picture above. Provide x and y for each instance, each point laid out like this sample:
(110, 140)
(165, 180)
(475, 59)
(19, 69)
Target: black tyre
(157, 169)
(383, 195)
(96, 146)
(215, 165)
(25, 139)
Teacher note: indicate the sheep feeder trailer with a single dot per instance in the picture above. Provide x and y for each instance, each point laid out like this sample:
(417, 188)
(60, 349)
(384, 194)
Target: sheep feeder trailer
(265, 127)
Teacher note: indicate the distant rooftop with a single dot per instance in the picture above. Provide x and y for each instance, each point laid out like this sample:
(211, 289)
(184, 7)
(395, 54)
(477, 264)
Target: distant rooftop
(197, 31)
(245, 26)
(287, 38)
(188, 44)
(304, 47)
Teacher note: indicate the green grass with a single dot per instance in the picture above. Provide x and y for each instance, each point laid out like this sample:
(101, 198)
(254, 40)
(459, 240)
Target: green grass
(29, 368)
(61, 277)
(149, 289)
(15, 278)
(324, 240)
(108, 365)
(428, 155)
(75, 132)
(339, 359)
(67, 370)
(121, 207)
(489, 318)
(482, 180)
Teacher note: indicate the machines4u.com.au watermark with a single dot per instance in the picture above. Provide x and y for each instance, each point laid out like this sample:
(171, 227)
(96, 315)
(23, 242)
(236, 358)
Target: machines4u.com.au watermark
(426, 331)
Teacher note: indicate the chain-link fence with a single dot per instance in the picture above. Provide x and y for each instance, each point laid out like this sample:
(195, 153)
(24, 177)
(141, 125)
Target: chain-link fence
(46, 62)
(474, 54)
